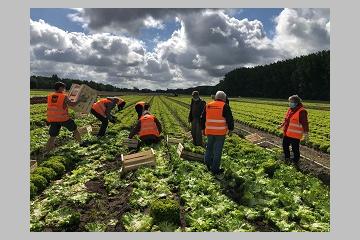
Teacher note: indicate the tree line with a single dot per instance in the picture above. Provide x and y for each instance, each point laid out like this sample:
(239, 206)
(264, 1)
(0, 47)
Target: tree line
(308, 76)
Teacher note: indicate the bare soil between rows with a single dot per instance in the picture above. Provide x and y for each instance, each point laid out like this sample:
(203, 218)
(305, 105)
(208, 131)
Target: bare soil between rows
(305, 165)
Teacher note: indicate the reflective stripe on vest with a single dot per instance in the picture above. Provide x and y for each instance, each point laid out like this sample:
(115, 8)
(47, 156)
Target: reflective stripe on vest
(148, 126)
(215, 122)
(295, 129)
(55, 108)
(99, 106)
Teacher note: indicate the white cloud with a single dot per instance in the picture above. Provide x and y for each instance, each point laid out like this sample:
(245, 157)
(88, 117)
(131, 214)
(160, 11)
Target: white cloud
(150, 22)
(302, 31)
(208, 44)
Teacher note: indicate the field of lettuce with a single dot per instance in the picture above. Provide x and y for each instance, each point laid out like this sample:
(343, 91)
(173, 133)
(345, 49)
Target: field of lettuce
(80, 188)
(266, 115)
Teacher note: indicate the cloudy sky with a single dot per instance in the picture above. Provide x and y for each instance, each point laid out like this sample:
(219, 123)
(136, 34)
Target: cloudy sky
(169, 48)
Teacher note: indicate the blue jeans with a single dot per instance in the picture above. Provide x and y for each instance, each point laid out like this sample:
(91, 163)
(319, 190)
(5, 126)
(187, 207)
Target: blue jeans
(213, 152)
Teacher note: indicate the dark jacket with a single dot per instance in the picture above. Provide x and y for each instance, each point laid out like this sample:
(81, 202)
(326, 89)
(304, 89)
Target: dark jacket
(137, 127)
(196, 109)
(227, 114)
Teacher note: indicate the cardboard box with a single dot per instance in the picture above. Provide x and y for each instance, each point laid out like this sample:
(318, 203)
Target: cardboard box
(76, 91)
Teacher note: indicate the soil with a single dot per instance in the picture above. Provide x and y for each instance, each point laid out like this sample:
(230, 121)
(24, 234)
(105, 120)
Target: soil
(104, 208)
(312, 162)
(38, 100)
(313, 154)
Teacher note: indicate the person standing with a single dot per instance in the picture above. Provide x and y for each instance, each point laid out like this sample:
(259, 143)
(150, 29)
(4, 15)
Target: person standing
(102, 111)
(58, 114)
(197, 106)
(148, 127)
(216, 122)
(295, 128)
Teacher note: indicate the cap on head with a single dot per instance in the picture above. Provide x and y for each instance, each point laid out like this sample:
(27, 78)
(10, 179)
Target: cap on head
(295, 98)
(59, 85)
(220, 95)
(195, 94)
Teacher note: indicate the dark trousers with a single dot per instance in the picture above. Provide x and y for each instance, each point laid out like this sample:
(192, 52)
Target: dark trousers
(295, 146)
(196, 132)
(214, 147)
(150, 139)
(104, 122)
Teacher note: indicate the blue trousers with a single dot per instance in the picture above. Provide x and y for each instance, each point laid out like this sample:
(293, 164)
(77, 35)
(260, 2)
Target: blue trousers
(213, 152)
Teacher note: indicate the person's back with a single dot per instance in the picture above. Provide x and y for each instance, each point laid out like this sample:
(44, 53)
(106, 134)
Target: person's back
(57, 110)
(148, 128)
(216, 122)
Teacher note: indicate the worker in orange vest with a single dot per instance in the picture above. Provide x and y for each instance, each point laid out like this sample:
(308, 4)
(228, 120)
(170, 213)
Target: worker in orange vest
(148, 127)
(295, 128)
(139, 108)
(58, 115)
(216, 122)
(102, 111)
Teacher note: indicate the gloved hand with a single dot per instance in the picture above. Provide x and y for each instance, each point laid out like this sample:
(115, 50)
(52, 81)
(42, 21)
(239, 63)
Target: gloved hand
(306, 137)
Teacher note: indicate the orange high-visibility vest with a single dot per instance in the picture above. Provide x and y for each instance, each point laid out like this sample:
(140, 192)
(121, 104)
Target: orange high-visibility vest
(215, 122)
(295, 129)
(55, 108)
(99, 106)
(148, 126)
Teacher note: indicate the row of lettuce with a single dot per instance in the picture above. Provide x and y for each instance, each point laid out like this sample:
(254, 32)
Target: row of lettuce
(266, 116)
(255, 193)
